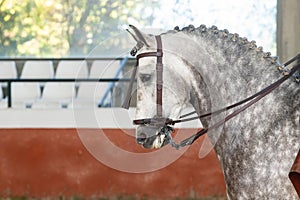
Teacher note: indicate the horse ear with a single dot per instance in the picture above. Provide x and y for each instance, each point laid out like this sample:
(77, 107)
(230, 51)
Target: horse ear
(140, 36)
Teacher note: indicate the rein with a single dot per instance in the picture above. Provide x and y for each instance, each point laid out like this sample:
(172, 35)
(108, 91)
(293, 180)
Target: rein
(159, 120)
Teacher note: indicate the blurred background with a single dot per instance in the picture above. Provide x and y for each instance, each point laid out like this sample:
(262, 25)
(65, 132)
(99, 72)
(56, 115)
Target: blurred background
(61, 28)
(45, 126)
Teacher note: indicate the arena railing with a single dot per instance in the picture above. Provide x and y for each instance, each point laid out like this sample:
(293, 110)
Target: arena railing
(123, 61)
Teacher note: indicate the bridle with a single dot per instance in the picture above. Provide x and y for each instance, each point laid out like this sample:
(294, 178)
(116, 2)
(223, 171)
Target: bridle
(159, 120)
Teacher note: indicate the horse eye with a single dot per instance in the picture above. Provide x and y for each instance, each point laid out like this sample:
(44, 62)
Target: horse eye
(145, 77)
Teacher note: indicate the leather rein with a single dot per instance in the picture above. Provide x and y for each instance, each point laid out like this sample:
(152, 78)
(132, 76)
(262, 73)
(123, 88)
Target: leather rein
(159, 120)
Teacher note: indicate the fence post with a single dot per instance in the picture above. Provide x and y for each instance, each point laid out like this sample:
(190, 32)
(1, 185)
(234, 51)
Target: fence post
(288, 29)
(9, 94)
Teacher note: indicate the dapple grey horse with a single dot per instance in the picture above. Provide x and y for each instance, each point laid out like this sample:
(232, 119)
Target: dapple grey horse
(211, 68)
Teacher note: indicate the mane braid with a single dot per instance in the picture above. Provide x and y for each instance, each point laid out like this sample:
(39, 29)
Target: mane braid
(240, 45)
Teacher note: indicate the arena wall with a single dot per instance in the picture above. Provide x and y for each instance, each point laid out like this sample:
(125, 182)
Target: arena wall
(59, 154)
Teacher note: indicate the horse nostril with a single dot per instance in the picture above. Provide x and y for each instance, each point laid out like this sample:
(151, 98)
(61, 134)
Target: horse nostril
(141, 138)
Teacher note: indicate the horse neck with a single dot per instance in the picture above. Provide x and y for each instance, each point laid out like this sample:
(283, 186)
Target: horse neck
(227, 63)
(228, 70)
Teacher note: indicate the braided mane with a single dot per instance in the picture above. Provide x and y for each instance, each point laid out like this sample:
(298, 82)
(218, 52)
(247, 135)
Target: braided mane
(232, 44)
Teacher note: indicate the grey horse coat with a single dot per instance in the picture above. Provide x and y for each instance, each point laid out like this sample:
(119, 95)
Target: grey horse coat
(257, 148)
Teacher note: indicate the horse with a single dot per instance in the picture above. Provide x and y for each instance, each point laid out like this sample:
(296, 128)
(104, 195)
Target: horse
(209, 68)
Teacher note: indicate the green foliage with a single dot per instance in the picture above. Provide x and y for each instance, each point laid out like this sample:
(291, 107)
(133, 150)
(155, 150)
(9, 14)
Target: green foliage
(56, 28)
(7, 40)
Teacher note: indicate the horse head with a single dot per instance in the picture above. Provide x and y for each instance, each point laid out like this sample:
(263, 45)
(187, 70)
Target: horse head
(174, 95)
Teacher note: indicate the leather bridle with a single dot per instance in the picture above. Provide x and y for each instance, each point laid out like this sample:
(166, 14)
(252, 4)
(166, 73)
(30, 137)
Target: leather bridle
(159, 120)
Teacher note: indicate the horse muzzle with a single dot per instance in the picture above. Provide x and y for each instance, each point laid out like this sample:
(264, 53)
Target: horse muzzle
(152, 137)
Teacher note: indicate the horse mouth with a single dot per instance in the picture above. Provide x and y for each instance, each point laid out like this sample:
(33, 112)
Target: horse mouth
(154, 141)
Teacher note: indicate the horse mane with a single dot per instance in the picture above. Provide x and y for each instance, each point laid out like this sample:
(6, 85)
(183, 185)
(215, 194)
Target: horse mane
(237, 49)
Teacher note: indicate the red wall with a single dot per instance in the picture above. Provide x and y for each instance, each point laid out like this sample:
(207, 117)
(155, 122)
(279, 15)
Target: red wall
(54, 162)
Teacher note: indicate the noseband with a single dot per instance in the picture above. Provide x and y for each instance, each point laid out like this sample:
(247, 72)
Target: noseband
(159, 120)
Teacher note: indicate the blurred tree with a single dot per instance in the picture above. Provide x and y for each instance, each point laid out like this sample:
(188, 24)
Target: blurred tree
(29, 28)
(7, 39)
(65, 27)
(92, 21)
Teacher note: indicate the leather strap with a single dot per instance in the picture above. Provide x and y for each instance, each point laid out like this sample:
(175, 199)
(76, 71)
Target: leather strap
(159, 78)
(262, 94)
